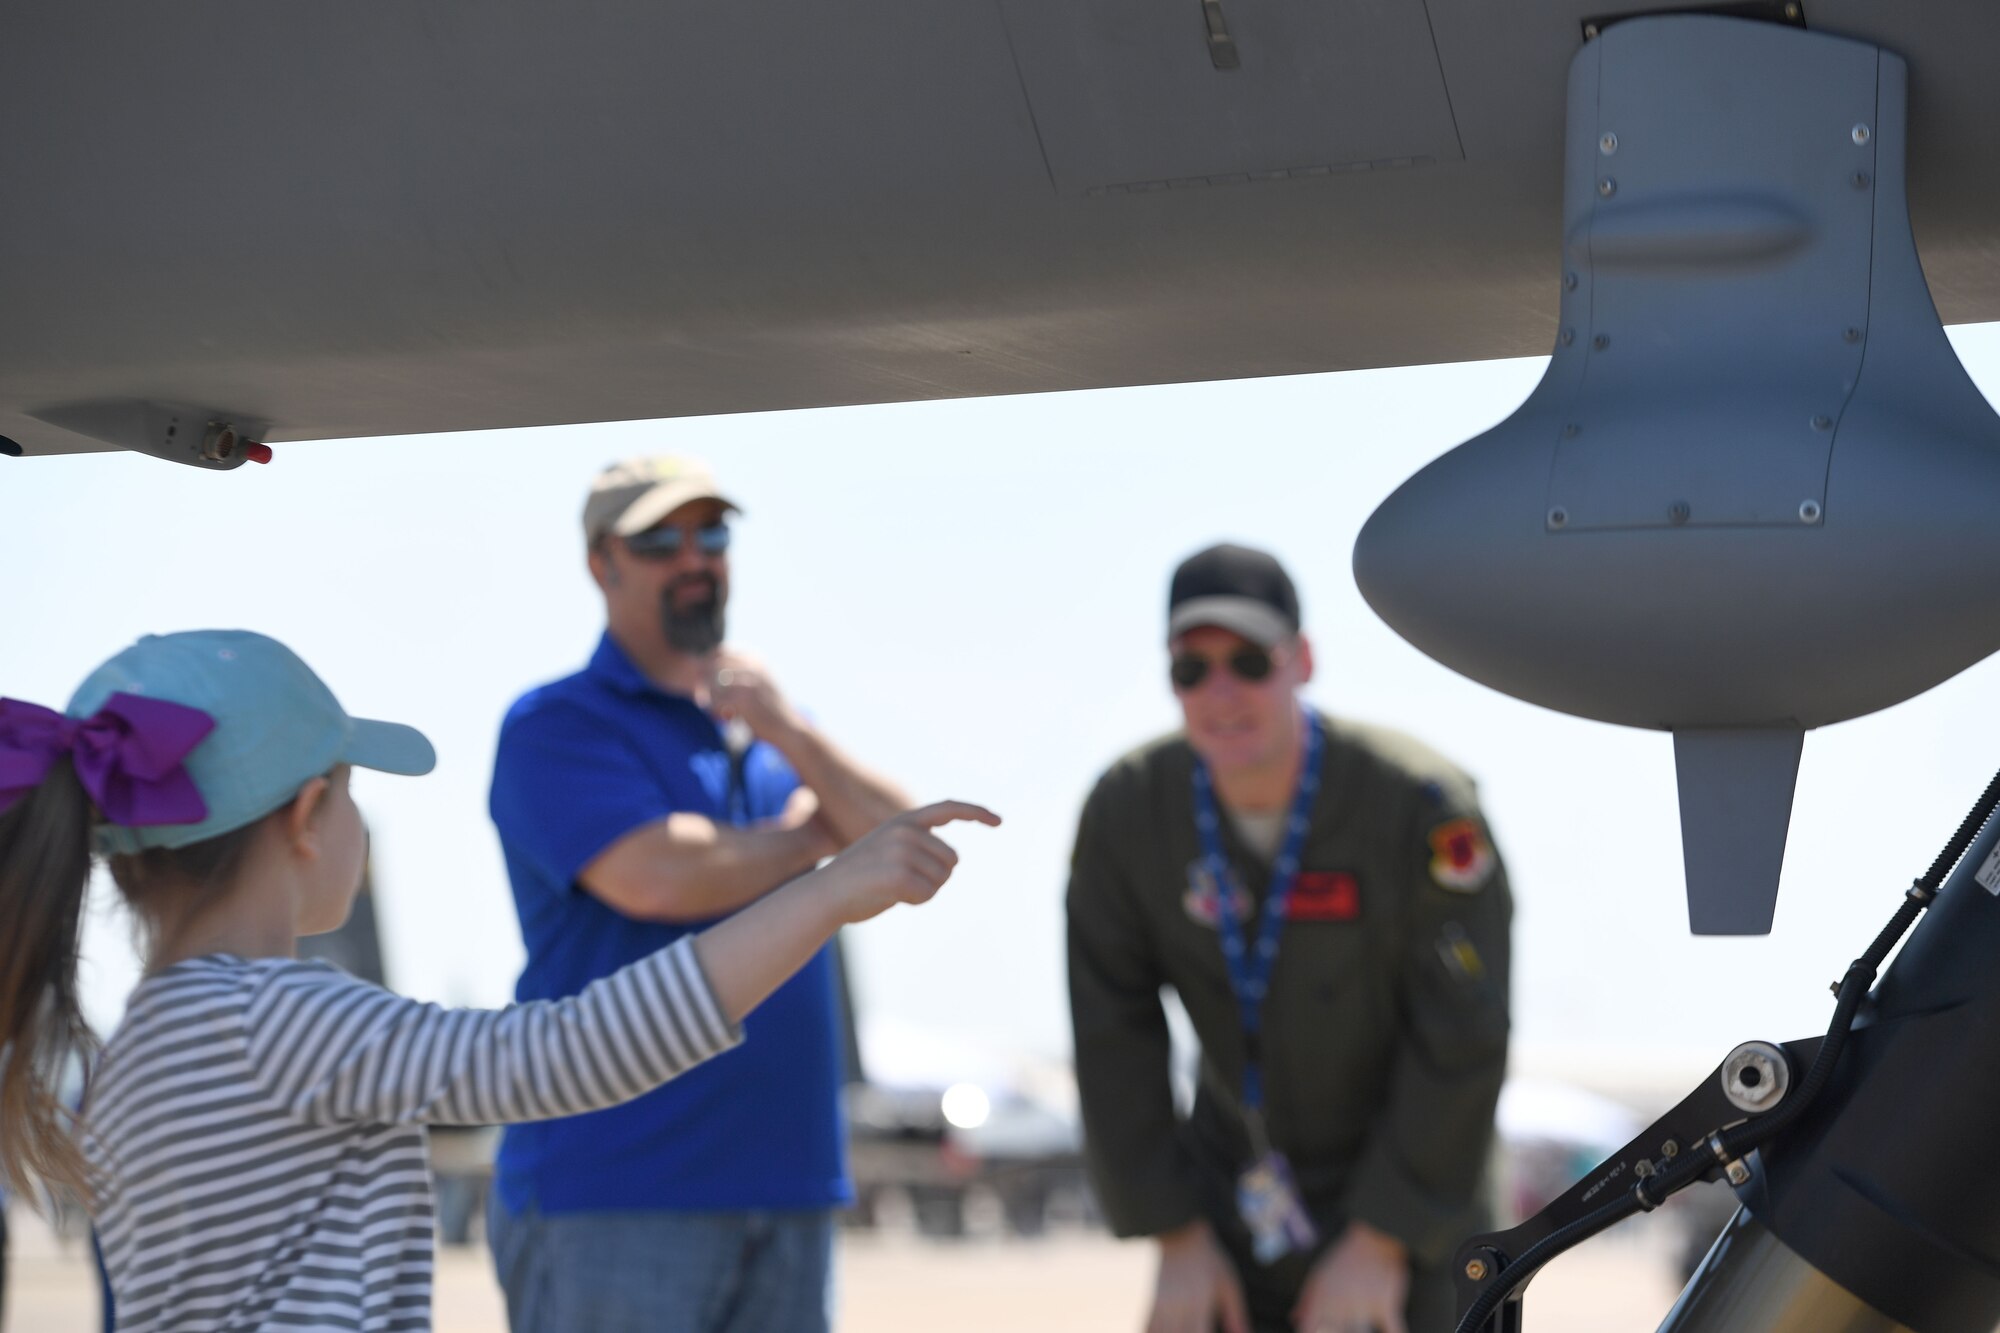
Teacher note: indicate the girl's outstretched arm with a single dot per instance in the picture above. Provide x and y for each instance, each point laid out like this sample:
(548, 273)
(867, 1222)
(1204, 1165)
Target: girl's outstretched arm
(333, 1049)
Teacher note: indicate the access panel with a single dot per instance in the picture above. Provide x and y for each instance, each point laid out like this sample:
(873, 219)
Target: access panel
(1158, 94)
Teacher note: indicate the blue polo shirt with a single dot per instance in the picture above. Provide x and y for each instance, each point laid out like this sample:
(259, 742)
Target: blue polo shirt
(582, 762)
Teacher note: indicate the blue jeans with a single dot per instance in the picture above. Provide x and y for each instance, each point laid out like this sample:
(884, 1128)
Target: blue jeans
(664, 1272)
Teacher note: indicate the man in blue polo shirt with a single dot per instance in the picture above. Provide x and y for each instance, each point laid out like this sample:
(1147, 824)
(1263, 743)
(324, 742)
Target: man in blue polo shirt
(664, 786)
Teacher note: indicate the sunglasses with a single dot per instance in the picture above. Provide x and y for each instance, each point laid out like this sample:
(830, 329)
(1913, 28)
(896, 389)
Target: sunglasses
(1248, 663)
(666, 543)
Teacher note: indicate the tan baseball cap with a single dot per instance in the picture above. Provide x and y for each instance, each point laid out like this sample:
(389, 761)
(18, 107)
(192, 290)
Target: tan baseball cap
(633, 495)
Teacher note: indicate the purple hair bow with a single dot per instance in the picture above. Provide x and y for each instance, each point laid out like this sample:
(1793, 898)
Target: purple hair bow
(128, 754)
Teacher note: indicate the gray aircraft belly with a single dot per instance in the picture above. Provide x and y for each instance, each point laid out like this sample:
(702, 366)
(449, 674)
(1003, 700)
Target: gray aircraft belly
(385, 218)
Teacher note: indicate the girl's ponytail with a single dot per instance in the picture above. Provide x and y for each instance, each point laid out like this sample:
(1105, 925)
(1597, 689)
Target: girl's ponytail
(44, 874)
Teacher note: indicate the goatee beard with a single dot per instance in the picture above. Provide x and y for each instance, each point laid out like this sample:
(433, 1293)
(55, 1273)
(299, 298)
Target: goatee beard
(695, 628)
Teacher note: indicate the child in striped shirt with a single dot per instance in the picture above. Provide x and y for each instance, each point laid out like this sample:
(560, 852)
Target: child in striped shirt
(253, 1140)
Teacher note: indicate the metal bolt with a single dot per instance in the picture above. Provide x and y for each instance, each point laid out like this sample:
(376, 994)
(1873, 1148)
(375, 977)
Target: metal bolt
(1738, 1173)
(1644, 1170)
(1809, 513)
(1679, 512)
(1601, 341)
(1753, 1082)
(1860, 179)
(1822, 422)
(1476, 1269)
(1793, 12)
(1590, 31)
(1607, 187)
(1558, 517)
(1851, 335)
(1608, 144)
(1755, 1076)
(1861, 134)
(1568, 336)
(1671, 1148)
(1569, 282)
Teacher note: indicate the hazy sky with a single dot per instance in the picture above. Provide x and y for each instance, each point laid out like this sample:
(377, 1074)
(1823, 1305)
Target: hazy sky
(969, 595)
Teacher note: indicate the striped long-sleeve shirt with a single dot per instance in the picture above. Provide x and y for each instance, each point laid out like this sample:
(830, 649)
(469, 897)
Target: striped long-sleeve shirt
(255, 1128)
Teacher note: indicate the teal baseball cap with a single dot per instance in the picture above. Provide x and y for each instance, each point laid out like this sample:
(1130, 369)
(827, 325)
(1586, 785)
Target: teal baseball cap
(277, 727)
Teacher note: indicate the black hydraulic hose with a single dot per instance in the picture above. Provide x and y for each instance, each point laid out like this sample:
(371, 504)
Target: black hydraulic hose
(1728, 1146)
(1860, 978)
(1854, 989)
(1975, 820)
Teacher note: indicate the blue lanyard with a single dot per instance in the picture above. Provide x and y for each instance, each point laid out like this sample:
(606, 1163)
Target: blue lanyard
(1250, 972)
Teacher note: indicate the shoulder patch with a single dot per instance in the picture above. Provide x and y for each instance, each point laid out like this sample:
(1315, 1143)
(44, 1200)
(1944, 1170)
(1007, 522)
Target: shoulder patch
(1462, 860)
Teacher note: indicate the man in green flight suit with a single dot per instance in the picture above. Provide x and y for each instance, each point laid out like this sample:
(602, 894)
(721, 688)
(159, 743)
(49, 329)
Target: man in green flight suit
(1328, 905)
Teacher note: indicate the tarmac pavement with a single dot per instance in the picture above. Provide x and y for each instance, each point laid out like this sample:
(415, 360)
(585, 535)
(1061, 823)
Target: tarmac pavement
(1073, 1282)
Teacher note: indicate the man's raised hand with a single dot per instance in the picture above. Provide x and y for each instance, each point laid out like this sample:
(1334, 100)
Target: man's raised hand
(741, 689)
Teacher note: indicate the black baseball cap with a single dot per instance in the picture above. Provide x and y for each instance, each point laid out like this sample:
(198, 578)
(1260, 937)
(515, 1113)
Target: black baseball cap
(1237, 589)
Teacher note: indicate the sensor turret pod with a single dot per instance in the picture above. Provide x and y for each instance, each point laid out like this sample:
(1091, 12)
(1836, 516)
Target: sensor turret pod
(1754, 493)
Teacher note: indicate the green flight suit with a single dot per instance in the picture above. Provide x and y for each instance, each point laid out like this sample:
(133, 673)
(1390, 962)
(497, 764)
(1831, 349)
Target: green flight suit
(1385, 1029)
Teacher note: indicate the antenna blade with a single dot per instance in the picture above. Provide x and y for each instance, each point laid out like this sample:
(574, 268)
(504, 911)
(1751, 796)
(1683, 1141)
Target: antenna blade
(1736, 789)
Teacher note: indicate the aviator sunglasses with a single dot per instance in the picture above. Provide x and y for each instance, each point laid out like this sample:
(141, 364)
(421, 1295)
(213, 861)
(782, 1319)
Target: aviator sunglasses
(1248, 663)
(666, 543)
